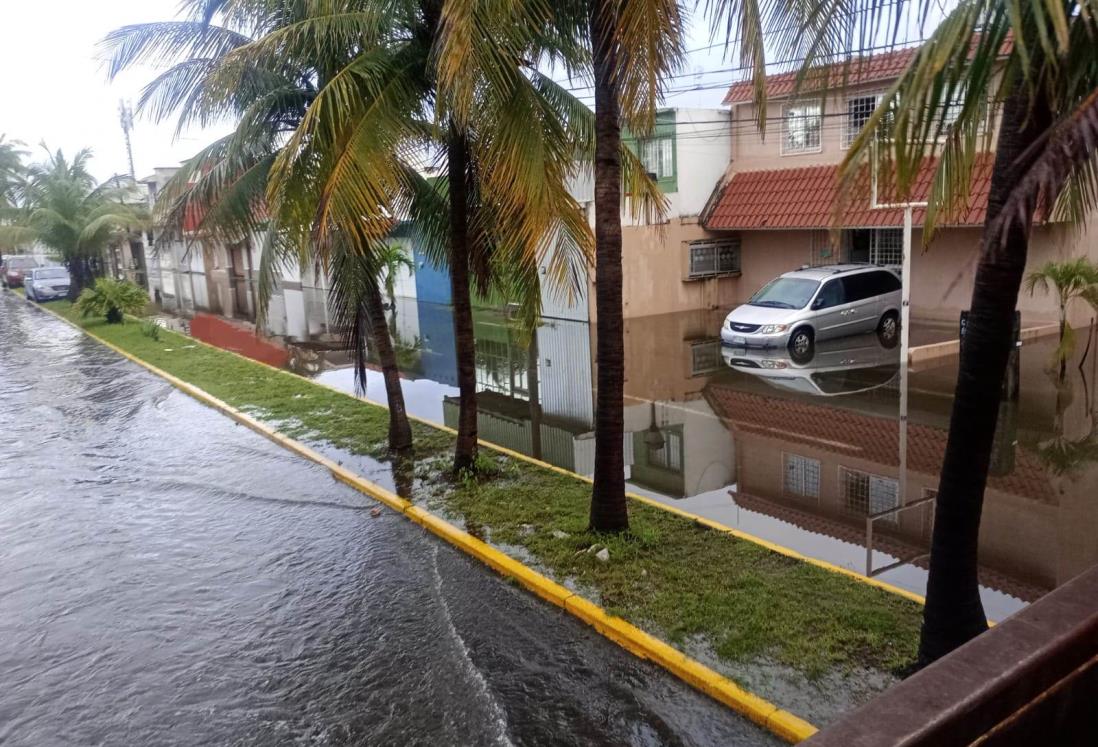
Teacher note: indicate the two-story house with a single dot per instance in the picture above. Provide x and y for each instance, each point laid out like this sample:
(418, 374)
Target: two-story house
(776, 200)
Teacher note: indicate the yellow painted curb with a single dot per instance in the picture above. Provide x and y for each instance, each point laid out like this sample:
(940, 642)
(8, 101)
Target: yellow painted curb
(701, 520)
(762, 712)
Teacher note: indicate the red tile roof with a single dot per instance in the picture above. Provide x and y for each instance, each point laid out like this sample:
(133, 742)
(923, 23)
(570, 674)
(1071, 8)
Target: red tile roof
(870, 69)
(805, 198)
(861, 436)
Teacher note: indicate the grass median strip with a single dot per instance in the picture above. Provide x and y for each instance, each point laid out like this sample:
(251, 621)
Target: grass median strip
(687, 584)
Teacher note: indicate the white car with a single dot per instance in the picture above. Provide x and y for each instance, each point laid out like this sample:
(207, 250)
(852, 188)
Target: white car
(800, 308)
(47, 283)
(836, 367)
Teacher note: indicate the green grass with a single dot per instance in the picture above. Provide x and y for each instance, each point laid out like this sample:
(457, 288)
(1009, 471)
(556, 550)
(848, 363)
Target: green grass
(676, 579)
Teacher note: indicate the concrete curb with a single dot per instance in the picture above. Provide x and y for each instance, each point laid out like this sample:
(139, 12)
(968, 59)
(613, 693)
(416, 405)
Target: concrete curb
(785, 725)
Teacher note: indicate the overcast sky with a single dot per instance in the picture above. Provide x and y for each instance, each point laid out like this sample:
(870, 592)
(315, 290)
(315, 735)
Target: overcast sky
(56, 89)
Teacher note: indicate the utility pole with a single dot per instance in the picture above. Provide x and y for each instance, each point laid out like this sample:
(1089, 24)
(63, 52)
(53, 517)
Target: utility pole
(125, 117)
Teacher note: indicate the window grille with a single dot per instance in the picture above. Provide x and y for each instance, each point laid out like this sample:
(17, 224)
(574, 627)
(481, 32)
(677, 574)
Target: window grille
(858, 112)
(867, 494)
(802, 125)
(886, 246)
(669, 456)
(714, 257)
(802, 476)
(705, 357)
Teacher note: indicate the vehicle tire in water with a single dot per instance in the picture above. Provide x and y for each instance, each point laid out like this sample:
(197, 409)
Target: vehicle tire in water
(802, 345)
(888, 330)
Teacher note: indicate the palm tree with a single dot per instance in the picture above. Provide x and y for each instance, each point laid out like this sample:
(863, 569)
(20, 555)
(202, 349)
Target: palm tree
(1069, 280)
(225, 184)
(12, 174)
(338, 171)
(66, 211)
(393, 259)
(1031, 65)
(628, 47)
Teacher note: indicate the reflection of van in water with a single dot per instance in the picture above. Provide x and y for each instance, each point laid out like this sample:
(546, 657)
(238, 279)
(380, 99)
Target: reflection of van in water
(836, 367)
(810, 305)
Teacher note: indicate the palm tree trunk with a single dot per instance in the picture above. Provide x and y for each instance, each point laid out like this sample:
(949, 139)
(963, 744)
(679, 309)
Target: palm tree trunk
(465, 451)
(608, 510)
(954, 613)
(400, 431)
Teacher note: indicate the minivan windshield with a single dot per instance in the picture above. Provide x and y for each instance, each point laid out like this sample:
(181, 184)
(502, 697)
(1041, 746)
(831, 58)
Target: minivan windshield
(52, 274)
(785, 293)
(21, 263)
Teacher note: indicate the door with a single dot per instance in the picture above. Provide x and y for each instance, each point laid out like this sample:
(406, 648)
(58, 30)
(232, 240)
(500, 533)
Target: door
(862, 304)
(829, 310)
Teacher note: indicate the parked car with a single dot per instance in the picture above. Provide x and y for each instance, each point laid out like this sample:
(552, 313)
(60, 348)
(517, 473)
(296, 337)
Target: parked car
(843, 366)
(15, 268)
(812, 304)
(47, 283)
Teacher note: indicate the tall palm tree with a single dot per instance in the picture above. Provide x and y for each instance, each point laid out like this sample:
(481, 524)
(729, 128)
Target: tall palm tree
(222, 190)
(628, 48)
(68, 212)
(1030, 64)
(1069, 280)
(12, 173)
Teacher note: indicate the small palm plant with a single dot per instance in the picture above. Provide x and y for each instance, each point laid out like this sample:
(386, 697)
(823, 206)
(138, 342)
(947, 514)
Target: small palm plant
(112, 299)
(1069, 280)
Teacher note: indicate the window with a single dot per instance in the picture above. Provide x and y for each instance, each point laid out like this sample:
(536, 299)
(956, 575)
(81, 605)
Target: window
(719, 257)
(832, 294)
(867, 494)
(802, 125)
(669, 456)
(886, 246)
(658, 156)
(802, 476)
(858, 111)
(705, 357)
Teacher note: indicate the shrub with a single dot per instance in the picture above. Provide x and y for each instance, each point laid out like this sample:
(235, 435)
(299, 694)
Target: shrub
(151, 329)
(112, 299)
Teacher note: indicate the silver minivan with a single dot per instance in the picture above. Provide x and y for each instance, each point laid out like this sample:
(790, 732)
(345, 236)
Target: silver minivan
(817, 303)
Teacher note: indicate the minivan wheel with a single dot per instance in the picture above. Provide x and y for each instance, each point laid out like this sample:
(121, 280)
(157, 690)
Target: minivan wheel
(888, 329)
(801, 345)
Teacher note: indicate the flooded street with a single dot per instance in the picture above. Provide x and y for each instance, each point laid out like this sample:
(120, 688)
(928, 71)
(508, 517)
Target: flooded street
(167, 577)
(812, 455)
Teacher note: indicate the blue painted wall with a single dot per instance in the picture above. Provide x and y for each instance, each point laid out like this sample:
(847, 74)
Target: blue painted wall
(436, 331)
(432, 283)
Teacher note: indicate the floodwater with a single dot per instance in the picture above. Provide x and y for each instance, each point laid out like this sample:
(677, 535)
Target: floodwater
(167, 577)
(813, 456)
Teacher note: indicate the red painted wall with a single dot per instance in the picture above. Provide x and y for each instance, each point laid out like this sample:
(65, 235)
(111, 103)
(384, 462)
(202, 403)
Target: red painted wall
(238, 338)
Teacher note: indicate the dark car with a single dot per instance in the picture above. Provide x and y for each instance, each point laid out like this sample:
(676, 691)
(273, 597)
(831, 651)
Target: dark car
(15, 269)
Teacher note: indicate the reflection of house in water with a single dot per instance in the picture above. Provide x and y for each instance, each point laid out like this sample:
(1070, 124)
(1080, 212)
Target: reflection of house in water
(824, 465)
(680, 447)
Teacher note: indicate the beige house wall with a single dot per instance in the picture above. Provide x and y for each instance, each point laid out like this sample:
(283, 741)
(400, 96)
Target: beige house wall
(656, 263)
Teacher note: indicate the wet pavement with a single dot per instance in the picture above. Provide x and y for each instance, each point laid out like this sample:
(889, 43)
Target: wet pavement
(814, 455)
(167, 577)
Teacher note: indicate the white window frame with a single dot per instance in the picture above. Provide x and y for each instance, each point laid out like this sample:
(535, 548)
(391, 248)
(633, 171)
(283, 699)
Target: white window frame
(657, 155)
(787, 116)
(850, 133)
(731, 244)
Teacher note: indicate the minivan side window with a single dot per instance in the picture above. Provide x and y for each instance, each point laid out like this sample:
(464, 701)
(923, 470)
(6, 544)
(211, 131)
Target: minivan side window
(859, 287)
(886, 282)
(831, 294)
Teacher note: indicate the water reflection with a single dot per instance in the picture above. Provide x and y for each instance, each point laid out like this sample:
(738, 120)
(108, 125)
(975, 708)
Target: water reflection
(814, 455)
